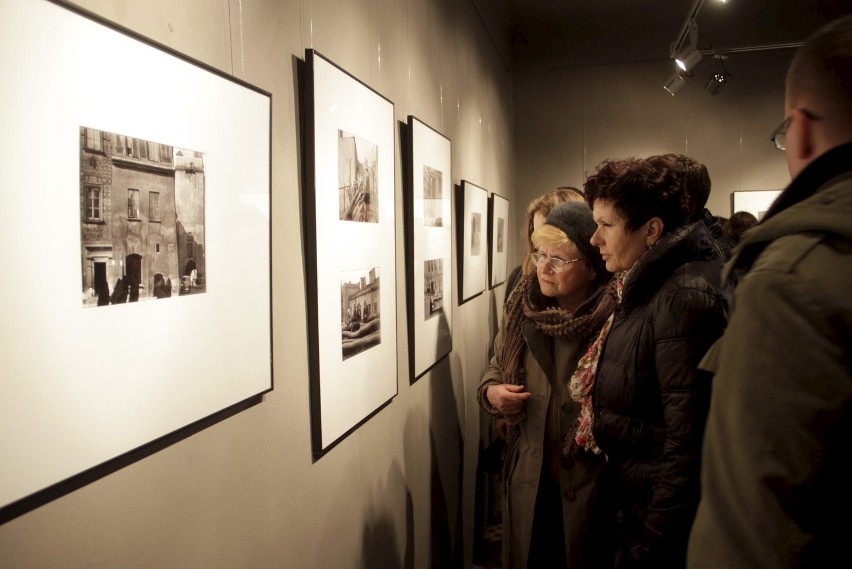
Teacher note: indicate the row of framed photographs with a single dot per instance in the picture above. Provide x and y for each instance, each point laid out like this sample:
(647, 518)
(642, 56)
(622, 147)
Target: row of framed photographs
(139, 293)
(351, 248)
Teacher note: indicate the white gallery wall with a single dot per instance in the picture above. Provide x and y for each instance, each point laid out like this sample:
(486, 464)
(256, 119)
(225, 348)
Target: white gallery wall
(399, 491)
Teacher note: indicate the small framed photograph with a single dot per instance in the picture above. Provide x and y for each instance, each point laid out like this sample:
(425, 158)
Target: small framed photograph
(350, 250)
(138, 297)
(756, 202)
(429, 239)
(498, 211)
(472, 240)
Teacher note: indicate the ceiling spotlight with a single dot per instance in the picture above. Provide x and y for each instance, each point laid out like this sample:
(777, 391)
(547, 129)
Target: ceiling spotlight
(688, 55)
(719, 77)
(687, 58)
(715, 83)
(674, 84)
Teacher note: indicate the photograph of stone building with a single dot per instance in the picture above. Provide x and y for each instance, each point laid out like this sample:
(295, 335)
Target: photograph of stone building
(433, 198)
(142, 219)
(356, 169)
(360, 311)
(433, 287)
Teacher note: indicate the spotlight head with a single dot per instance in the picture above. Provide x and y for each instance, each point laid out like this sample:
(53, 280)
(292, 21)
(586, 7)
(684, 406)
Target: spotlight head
(715, 83)
(719, 77)
(674, 84)
(688, 58)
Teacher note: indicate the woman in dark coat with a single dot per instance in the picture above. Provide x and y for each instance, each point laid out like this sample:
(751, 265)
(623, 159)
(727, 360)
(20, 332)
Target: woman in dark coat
(650, 400)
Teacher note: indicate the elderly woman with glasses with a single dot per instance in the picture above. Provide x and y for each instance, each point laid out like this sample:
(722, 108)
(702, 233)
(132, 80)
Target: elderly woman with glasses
(556, 509)
(650, 399)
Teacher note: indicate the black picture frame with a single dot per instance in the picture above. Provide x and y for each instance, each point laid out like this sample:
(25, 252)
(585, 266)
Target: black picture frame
(89, 390)
(498, 244)
(429, 223)
(472, 242)
(350, 256)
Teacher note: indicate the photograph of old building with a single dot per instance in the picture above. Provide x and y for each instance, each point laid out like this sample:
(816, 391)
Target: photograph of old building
(433, 287)
(433, 203)
(357, 166)
(359, 302)
(475, 234)
(142, 219)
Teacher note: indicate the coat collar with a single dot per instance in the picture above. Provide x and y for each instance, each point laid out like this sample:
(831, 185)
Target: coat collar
(684, 244)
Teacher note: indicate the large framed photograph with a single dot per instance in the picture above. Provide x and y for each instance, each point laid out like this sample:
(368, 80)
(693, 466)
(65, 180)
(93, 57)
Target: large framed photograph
(472, 240)
(136, 271)
(349, 205)
(755, 202)
(429, 239)
(498, 211)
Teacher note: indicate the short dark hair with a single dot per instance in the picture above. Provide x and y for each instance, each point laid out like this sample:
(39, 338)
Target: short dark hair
(821, 73)
(737, 224)
(642, 188)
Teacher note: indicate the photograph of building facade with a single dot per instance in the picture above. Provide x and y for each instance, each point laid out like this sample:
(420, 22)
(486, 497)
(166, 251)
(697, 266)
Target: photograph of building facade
(142, 219)
(357, 166)
(359, 300)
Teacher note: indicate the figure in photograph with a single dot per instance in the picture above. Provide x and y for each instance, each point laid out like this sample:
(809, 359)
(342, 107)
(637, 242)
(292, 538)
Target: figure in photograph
(360, 311)
(433, 203)
(475, 234)
(499, 237)
(141, 217)
(433, 287)
(357, 170)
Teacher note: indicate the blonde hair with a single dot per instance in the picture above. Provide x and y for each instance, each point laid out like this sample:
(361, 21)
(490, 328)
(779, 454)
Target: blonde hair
(544, 203)
(550, 236)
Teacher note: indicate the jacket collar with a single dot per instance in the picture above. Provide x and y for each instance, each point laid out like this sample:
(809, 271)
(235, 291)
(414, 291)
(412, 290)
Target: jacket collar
(812, 185)
(539, 345)
(684, 244)
(832, 163)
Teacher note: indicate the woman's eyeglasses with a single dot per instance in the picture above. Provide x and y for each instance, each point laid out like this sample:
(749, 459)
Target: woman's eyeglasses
(555, 263)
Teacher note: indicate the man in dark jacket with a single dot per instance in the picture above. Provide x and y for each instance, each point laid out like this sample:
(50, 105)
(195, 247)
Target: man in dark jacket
(776, 477)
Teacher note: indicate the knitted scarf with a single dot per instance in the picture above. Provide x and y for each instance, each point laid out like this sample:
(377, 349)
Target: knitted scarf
(527, 303)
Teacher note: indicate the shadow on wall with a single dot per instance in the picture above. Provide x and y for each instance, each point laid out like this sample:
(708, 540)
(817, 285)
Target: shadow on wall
(493, 322)
(380, 547)
(447, 475)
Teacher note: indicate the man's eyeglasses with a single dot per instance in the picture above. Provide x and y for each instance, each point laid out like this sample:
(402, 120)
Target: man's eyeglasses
(555, 263)
(779, 135)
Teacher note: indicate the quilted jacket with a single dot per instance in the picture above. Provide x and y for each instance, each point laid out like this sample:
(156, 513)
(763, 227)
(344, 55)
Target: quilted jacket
(650, 399)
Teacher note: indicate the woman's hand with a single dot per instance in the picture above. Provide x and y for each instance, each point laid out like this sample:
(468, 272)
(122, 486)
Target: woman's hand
(507, 398)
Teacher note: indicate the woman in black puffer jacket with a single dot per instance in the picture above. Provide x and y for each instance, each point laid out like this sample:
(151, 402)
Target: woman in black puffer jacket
(650, 400)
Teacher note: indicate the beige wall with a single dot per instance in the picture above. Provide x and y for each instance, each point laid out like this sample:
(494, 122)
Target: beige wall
(245, 492)
(569, 119)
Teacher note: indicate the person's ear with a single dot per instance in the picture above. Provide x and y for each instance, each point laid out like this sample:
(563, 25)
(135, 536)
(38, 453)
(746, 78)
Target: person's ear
(800, 135)
(653, 231)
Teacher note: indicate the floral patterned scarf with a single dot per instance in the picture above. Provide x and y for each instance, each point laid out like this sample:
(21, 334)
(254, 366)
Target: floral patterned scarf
(583, 381)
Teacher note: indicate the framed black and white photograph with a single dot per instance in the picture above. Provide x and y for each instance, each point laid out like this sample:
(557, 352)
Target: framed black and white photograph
(349, 205)
(136, 269)
(472, 243)
(498, 211)
(163, 190)
(429, 214)
(755, 202)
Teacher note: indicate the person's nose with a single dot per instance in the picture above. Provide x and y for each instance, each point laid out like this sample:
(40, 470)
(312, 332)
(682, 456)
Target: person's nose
(595, 238)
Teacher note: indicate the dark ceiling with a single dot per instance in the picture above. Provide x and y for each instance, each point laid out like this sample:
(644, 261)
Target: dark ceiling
(595, 32)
